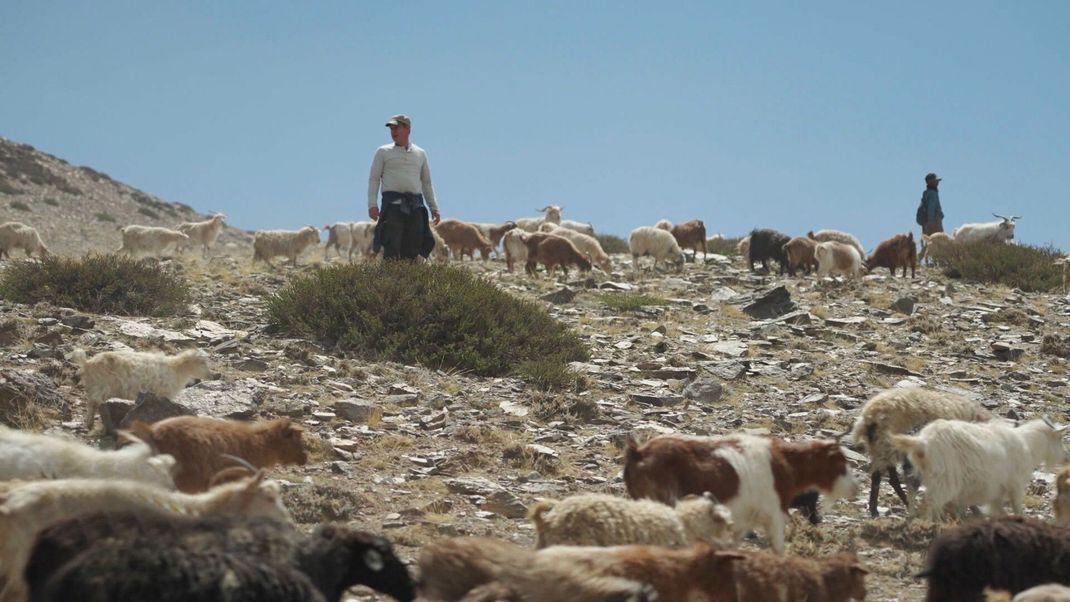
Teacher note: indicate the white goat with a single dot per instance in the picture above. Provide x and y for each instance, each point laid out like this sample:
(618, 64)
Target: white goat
(16, 235)
(838, 258)
(516, 249)
(339, 236)
(580, 227)
(973, 464)
(124, 374)
(551, 213)
(149, 240)
(29, 456)
(585, 244)
(994, 232)
(838, 236)
(291, 243)
(203, 233)
(658, 243)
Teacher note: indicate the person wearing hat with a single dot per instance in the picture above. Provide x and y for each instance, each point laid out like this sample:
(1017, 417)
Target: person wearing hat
(400, 169)
(930, 210)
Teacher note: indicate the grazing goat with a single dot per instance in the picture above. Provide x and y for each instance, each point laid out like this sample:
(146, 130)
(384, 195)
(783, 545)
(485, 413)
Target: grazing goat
(31, 456)
(124, 374)
(199, 443)
(16, 235)
(657, 243)
(580, 227)
(339, 236)
(1051, 592)
(1061, 505)
(291, 243)
(1010, 553)
(150, 240)
(903, 410)
(898, 251)
(755, 477)
(968, 464)
(516, 249)
(553, 251)
(203, 233)
(551, 213)
(837, 258)
(689, 235)
(838, 236)
(800, 252)
(29, 507)
(494, 233)
(156, 557)
(606, 520)
(766, 244)
(938, 246)
(588, 245)
(463, 238)
(987, 232)
(761, 576)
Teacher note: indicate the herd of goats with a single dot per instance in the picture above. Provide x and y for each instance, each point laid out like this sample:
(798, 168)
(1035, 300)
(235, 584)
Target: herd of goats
(184, 509)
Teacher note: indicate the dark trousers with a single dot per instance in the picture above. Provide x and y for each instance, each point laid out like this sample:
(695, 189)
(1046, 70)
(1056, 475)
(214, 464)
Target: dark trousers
(402, 234)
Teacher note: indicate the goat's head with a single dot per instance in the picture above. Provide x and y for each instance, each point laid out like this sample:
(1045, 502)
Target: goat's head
(288, 441)
(370, 560)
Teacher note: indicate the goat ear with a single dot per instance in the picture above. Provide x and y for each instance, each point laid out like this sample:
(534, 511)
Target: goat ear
(374, 560)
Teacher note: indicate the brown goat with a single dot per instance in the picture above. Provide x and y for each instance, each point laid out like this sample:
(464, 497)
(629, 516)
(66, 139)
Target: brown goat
(463, 238)
(897, 251)
(553, 251)
(761, 576)
(197, 443)
(800, 252)
(691, 235)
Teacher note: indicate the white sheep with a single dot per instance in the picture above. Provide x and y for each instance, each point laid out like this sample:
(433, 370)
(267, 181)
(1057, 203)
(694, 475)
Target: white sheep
(658, 243)
(606, 520)
(28, 508)
(903, 410)
(585, 244)
(291, 243)
(149, 240)
(997, 232)
(203, 233)
(551, 213)
(580, 227)
(516, 249)
(29, 456)
(16, 235)
(838, 236)
(124, 374)
(974, 464)
(838, 258)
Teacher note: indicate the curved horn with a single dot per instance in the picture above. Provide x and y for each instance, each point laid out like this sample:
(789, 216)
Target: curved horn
(1000, 216)
(240, 462)
(543, 209)
(1014, 217)
(227, 475)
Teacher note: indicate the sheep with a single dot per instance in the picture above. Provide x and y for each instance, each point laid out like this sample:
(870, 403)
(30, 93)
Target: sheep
(16, 235)
(580, 227)
(969, 463)
(657, 243)
(451, 568)
(68, 556)
(761, 576)
(996, 232)
(903, 410)
(587, 245)
(151, 240)
(199, 443)
(494, 233)
(938, 246)
(33, 456)
(800, 254)
(605, 520)
(124, 374)
(897, 251)
(1011, 553)
(516, 250)
(551, 213)
(28, 508)
(689, 235)
(838, 236)
(339, 236)
(553, 251)
(1061, 505)
(291, 243)
(1051, 592)
(766, 244)
(756, 478)
(203, 233)
(463, 238)
(837, 258)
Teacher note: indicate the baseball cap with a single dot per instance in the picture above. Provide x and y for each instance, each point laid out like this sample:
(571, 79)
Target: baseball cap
(400, 119)
(932, 176)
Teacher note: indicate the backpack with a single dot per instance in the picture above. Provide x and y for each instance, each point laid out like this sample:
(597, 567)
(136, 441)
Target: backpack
(922, 216)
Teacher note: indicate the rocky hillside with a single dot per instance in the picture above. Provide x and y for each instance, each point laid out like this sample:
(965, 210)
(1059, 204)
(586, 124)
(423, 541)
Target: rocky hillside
(78, 209)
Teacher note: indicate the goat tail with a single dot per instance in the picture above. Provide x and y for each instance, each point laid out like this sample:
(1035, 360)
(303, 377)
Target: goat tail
(907, 443)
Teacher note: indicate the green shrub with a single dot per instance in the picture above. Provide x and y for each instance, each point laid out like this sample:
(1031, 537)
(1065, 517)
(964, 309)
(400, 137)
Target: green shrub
(546, 374)
(105, 217)
(612, 243)
(103, 284)
(724, 246)
(148, 212)
(1027, 267)
(20, 206)
(629, 301)
(441, 317)
(51, 201)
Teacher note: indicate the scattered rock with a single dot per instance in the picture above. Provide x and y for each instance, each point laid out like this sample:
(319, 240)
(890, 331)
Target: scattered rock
(25, 391)
(766, 305)
(705, 390)
(360, 411)
(905, 305)
(657, 400)
(560, 297)
(222, 400)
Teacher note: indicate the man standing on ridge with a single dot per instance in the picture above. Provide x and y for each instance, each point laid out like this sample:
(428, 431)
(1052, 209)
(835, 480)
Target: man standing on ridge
(930, 216)
(402, 228)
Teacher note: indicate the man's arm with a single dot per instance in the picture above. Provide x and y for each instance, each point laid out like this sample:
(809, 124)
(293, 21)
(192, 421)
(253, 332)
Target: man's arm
(429, 190)
(374, 178)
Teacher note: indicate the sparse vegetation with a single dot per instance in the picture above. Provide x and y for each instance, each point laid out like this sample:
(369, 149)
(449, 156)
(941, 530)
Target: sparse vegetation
(629, 301)
(103, 216)
(6, 187)
(724, 246)
(546, 375)
(51, 201)
(1026, 267)
(1053, 344)
(104, 284)
(148, 212)
(612, 243)
(441, 317)
(19, 205)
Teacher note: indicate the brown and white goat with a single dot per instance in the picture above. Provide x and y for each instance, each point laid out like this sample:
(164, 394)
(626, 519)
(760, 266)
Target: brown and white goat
(755, 477)
(554, 251)
(463, 238)
(896, 252)
(199, 443)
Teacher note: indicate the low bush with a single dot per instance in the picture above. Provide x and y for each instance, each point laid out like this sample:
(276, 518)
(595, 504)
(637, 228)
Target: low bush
(103, 284)
(104, 217)
(724, 246)
(148, 212)
(51, 201)
(19, 205)
(612, 243)
(1026, 267)
(441, 317)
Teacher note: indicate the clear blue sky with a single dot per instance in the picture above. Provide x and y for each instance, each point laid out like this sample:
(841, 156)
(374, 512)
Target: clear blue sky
(791, 115)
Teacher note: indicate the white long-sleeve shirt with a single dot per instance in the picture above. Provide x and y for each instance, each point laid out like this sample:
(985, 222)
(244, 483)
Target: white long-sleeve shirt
(400, 169)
